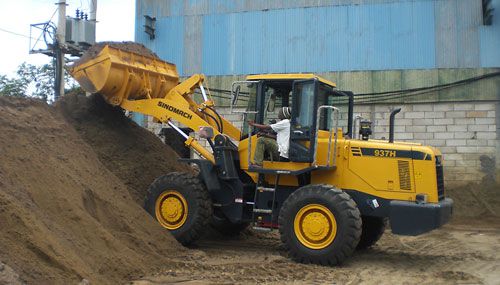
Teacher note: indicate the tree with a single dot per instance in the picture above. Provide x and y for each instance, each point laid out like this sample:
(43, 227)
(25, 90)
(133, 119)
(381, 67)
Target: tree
(32, 81)
(12, 86)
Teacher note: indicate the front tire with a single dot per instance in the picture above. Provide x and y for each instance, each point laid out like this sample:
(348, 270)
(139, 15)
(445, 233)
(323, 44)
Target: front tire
(320, 224)
(180, 203)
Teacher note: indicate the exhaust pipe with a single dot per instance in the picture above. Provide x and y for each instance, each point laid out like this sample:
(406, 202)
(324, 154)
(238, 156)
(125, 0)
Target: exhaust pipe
(350, 114)
(391, 124)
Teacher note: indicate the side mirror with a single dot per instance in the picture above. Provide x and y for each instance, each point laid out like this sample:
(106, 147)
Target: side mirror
(236, 95)
(206, 132)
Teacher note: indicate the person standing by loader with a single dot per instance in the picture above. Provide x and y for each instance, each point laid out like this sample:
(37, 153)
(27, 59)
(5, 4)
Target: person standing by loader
(278, 149)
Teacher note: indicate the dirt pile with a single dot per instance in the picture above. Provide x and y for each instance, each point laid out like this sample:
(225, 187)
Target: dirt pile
(475, 200)
(8, 276)
(134, 47)
(65, 214)
(454, 254)
(133, 154)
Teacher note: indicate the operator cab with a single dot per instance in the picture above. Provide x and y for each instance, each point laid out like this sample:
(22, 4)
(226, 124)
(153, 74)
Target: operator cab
(304, 93)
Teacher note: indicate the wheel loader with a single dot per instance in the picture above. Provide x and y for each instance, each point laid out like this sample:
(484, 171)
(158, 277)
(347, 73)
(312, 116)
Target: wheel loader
(336, 193)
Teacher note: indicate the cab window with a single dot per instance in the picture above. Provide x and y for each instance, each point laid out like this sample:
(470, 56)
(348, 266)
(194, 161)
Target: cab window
(305, 105)
(249, 96)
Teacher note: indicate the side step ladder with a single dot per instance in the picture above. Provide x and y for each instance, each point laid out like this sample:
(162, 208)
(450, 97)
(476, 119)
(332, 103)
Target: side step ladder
(259, 212)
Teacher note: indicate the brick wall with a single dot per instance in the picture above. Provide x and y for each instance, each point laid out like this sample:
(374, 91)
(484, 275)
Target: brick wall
(462, 131)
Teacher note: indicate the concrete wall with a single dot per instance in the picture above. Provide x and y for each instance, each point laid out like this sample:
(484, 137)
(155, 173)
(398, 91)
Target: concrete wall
(464, 132)
(463, 122)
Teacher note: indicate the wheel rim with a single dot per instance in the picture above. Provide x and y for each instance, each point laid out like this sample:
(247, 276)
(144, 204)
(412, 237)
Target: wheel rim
(171, 209)
(315, 226)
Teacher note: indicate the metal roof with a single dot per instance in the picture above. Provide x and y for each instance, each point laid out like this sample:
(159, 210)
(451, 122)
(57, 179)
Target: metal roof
(288, 76)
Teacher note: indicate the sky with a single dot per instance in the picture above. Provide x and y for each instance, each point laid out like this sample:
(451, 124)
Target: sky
(115, 22)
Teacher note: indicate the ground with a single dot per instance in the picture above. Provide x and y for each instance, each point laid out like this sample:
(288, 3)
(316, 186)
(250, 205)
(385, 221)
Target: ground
(463, 252)
(72, 182)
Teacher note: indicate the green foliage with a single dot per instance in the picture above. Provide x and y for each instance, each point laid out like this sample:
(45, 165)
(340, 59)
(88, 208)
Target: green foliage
(32, 81)
(41, 76)
(12, 87)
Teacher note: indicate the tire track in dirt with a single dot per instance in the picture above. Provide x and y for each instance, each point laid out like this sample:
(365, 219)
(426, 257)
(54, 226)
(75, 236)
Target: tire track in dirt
(445, 256)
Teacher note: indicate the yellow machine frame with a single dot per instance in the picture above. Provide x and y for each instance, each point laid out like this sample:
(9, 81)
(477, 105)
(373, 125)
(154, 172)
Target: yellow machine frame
(384, 178)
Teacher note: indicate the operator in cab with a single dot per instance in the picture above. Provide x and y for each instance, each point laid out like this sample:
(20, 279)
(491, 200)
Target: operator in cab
(276, 147)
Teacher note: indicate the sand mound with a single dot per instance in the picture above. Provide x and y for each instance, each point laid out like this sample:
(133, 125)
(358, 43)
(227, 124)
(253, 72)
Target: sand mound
(72, 181)
(65, 214)
(134, 47)
(133, 154)
(475, 200)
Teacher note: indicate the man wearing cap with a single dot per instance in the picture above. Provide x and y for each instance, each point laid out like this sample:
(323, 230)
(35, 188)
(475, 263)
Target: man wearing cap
(278, 149)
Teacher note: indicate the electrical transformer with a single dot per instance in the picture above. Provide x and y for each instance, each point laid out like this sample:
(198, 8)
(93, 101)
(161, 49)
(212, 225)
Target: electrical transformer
(80, 31)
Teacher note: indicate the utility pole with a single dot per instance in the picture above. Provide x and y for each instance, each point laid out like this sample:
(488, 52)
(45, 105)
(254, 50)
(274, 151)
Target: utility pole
(93, 10)
(59, 49)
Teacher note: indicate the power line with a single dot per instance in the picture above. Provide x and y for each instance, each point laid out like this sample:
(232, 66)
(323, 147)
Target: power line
(392, 95)
(16, 34)
(92, 3)
(53, 14)
(459, 82)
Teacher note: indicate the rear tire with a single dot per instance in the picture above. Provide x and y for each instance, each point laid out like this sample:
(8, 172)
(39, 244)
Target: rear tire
(372, 230)
(180, 203)
(320, 224)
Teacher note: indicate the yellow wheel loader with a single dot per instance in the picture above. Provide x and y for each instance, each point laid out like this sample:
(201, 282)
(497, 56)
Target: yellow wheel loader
(336, 192)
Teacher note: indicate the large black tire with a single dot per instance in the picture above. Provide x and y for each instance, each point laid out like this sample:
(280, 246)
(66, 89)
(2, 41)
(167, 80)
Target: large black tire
(222, 225)
(372, 230)
(194, 222)
(347, 222)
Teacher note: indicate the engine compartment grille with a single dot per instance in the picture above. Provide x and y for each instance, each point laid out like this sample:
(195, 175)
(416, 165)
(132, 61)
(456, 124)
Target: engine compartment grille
(404, 175)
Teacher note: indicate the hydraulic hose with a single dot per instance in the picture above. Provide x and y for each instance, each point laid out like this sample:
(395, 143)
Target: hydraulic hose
(221, 130)
(215, 120)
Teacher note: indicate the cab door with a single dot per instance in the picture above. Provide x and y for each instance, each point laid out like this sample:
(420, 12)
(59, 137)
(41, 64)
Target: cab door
(302, 126)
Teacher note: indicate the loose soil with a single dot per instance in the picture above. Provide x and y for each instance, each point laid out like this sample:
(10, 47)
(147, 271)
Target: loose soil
(66, 211)
(133, 154)
(72, 182)
(455, 254)
(475, 200)
(134, 47)
(8, 276)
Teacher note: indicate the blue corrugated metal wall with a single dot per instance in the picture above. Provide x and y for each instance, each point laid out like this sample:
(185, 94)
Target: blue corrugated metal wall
(221, 37)
(490, 39)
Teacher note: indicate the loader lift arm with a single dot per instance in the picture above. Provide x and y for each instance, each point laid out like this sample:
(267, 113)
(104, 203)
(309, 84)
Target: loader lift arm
(126, 79)
(178, 105)
(324, 205)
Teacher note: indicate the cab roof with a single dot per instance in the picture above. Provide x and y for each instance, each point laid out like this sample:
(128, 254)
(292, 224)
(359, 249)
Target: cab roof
(290, 76)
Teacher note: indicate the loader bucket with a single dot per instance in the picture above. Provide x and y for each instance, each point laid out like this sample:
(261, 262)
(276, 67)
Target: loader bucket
(119, 74)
